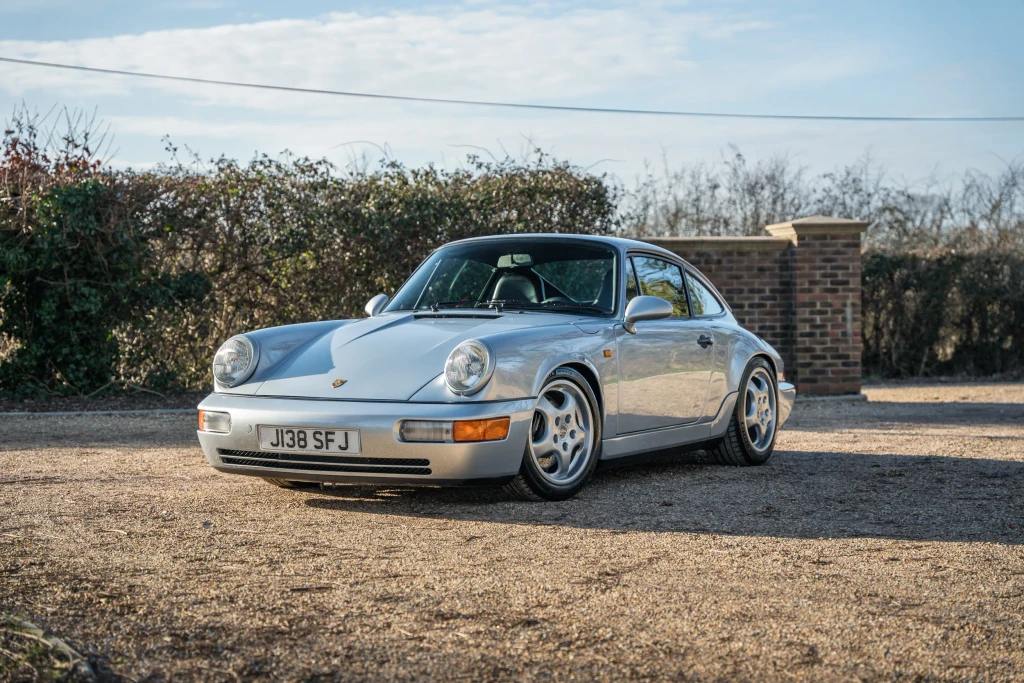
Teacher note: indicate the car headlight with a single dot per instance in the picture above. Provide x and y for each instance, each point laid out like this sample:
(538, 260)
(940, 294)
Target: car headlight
(469, 367)
(235, 361)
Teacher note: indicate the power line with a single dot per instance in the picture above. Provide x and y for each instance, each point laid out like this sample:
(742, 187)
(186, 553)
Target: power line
(516, 105)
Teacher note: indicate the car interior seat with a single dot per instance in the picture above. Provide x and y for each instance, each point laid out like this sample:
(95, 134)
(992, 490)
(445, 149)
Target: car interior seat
(514, 286)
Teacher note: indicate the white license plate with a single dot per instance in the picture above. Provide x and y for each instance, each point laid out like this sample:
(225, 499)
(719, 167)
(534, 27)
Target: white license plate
(309, 440)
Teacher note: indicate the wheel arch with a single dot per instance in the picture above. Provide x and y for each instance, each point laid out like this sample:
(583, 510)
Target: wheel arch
(740, 347)
(589, 374)
(771, 363)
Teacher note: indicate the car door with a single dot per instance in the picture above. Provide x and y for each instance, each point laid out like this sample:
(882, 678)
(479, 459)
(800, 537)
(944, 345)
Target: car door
(665, 368)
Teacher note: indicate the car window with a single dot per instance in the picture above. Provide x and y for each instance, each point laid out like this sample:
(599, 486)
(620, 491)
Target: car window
(664, 280)
(631, 289)
(703, 301)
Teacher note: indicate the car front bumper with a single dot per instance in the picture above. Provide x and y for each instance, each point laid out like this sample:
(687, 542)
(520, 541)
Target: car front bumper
(787, 397)
(384, 458)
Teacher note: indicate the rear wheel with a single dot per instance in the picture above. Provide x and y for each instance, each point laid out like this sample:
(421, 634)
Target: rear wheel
(750, 438)
(292, 484)
(564, 442)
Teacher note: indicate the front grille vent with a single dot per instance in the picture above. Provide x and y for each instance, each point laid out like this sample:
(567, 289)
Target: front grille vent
(325, 463)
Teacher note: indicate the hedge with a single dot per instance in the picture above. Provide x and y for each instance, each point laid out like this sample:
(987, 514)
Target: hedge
(122, 278)
(943, 314)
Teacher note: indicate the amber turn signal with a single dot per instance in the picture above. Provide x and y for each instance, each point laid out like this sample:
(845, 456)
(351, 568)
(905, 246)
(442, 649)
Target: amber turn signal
(210, 421)
(481, 430)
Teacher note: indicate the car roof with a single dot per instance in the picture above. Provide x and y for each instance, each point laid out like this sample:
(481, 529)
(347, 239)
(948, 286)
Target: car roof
(620, 243)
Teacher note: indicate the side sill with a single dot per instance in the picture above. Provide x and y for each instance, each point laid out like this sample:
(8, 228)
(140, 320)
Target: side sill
(648, 456)
(720, 424)
(674, 437)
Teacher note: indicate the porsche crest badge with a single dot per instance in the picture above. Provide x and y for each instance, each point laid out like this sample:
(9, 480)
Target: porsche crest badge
(338, 382)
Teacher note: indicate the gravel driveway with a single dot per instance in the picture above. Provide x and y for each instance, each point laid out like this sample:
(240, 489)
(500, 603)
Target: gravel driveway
(883, 540)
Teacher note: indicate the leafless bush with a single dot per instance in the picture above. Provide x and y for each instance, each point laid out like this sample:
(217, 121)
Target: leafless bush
(733, 198)
(739, 197)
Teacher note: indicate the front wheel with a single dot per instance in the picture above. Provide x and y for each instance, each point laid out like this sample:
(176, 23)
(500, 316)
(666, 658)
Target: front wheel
(750, 438)
(564, 442)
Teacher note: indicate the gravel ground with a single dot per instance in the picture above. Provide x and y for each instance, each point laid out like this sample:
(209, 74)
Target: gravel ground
(138, 400)
(883, 540)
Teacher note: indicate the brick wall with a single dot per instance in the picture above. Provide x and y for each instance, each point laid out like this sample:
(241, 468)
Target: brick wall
(799, 289)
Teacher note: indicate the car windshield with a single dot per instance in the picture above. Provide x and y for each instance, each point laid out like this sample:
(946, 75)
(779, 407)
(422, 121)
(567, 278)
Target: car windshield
(557, 275)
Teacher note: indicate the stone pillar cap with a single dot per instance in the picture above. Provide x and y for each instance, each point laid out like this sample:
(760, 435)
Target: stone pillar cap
(817, 225)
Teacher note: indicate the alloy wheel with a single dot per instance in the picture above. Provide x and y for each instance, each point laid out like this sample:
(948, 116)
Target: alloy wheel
(562, 437)
(760, 413)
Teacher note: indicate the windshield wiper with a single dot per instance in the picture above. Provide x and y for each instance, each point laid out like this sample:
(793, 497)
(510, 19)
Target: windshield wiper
(501, 304)
(548, 306)
(469, 303)
(496, 304)
(576, 304)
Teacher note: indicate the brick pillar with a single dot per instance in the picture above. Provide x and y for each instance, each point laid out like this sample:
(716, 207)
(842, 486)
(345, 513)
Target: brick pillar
(826, 303)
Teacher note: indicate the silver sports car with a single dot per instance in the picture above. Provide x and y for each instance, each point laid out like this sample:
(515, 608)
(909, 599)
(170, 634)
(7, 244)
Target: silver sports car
(521, 360)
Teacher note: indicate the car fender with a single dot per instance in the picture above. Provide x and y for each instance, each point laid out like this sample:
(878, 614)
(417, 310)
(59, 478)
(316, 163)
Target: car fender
(276, 344)
(742, 345)
(735, 347)
(525, 358)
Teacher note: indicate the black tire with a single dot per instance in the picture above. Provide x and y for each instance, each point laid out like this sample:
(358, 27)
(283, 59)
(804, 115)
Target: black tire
(533, 484)
(736, 448)
(291, 484)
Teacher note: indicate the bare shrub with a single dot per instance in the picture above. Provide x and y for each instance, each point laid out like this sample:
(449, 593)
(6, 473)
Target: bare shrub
(737, 197)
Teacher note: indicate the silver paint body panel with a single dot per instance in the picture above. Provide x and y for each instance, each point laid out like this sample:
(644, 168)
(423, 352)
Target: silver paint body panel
(658, 389)
(664, 374)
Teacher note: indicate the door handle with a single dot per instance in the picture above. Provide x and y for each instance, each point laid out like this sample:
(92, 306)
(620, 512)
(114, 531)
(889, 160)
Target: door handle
(705, 341)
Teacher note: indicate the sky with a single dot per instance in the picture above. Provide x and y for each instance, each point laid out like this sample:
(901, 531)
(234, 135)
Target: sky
(905, 58)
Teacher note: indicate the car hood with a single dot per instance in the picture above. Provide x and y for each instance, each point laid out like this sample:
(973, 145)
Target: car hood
(388, 357)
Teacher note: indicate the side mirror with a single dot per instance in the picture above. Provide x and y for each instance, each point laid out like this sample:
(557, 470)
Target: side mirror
(376, 304)
(645, 308)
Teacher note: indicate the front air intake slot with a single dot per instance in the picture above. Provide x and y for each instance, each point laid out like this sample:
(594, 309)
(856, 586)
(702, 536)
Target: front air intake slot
(325, 463)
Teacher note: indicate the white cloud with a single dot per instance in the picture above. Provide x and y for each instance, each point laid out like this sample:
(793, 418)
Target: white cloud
(643, 56)
(612, 57)
(464, 52)
(608, 55)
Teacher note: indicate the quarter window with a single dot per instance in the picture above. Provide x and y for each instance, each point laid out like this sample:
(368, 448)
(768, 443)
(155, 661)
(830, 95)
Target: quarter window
(664, 280)
(703, 301)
